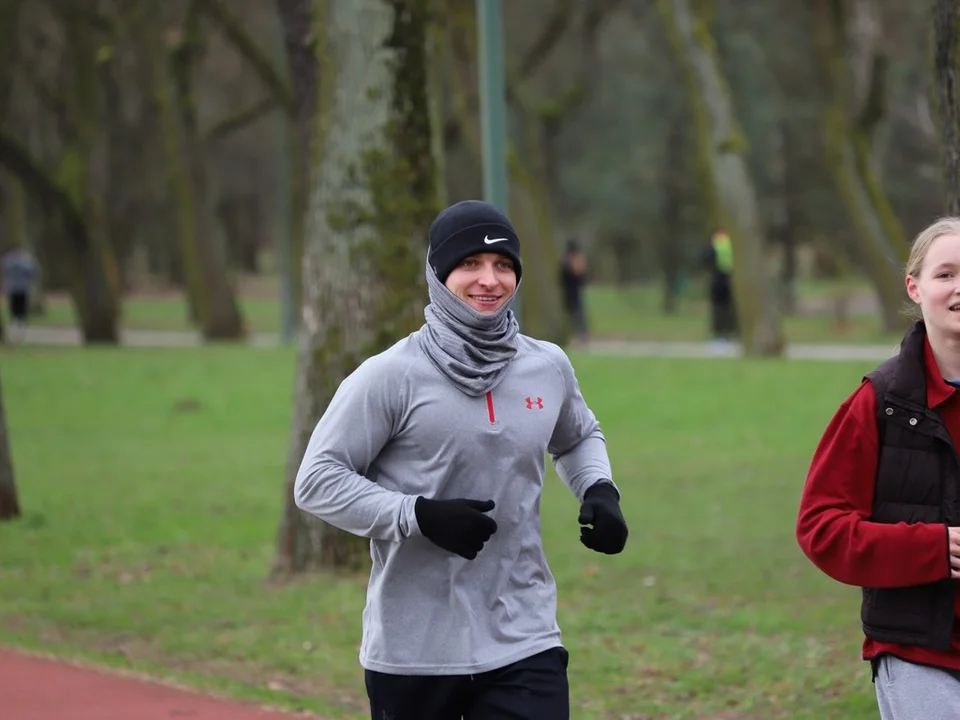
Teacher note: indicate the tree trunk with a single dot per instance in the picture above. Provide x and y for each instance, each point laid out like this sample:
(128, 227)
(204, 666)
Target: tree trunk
(9, 502)
(9, 22)
(300, 536)
(210, 287)
(789, 216)
(531, 207)
(879, 240)
(221, 318)
(124, 168)
(541, 312)
(298, 35)
(251, 234)
(15, 214)
(946, 77)
(156, 220)
(73, 208)
(95, 272)
(371, 202)
(722, 147)
(535, 167)
(668, 242)
(75, 221)
(9, 25)
(239, 215)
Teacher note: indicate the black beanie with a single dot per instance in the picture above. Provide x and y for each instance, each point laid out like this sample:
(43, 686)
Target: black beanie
(470, 227)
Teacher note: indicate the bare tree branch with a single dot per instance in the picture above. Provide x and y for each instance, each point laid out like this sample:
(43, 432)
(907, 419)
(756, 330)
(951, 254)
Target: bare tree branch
(874, 103)
(47, 96)
(74, 10)
(924, 118)
(17, 160)
(243, 117)
(232, 27)
(554, 110)
(597, 11)
(553, 29)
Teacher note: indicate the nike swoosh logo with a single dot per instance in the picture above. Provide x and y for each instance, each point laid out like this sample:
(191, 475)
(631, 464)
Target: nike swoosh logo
(490, 241)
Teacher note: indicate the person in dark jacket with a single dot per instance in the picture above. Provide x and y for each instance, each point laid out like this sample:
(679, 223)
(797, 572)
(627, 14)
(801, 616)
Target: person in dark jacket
(573, 277)
(18, 274)
(881, 504)
(718, 257)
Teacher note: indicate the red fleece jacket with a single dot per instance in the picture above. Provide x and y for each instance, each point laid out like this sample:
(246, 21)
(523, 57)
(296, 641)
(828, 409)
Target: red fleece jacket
(833, 527)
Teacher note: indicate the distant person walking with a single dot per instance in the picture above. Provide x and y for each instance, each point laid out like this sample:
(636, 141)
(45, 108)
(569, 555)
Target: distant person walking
(573, 276)
(718, 257)
(19, 274)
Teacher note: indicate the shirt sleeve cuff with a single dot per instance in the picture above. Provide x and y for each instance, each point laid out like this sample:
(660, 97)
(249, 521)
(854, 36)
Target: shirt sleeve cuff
(603, 481)
(409, 527)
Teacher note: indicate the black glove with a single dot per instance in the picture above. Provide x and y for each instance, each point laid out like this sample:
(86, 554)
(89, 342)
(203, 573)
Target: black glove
(459, 526)
(601, 508)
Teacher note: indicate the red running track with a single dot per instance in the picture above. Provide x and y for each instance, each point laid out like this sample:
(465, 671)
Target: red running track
(38, 688)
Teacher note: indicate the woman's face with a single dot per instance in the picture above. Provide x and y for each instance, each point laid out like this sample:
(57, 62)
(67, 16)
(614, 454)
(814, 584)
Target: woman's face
(936, 288)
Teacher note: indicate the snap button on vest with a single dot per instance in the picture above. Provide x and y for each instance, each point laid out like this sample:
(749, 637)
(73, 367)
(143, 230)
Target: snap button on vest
(889, 411)
(913, 421)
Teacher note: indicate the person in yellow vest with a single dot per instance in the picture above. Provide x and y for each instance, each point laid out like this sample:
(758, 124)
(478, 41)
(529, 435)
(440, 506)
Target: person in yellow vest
(723, 314)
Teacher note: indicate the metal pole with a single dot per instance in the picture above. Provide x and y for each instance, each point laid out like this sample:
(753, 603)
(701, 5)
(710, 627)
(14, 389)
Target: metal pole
(493, 108)
(283, 199)
(288, 311)
(493, 114)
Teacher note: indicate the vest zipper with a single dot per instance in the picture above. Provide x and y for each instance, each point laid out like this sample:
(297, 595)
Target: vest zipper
(490, 413)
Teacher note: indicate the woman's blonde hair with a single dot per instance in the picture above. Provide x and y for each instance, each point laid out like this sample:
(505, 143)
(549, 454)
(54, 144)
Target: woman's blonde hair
(921, 245)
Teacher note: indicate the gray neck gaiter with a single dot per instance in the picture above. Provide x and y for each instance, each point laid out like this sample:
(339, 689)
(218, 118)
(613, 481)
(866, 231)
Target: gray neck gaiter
(471, 349)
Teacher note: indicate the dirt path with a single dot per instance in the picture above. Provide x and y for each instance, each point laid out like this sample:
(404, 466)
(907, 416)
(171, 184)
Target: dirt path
(40, 688)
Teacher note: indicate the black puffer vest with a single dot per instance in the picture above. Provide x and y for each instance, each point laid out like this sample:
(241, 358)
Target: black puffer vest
(918, 480)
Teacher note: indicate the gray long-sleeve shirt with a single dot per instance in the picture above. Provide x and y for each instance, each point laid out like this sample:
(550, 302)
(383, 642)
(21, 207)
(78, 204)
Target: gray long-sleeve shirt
(396, 429)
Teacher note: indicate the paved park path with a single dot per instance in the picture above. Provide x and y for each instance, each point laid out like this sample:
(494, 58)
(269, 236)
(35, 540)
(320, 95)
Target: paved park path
(817, 351)
(39, 688)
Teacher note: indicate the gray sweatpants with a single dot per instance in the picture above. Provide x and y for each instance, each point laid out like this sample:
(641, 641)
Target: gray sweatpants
(907, 691)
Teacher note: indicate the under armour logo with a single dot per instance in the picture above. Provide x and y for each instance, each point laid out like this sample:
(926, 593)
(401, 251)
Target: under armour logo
(531, 402)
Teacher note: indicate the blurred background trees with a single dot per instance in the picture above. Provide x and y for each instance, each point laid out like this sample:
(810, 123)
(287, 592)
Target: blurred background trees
(161, 147)
(296, 150)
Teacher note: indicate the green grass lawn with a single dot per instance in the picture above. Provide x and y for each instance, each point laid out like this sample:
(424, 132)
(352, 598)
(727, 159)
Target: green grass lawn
(152, 487)
(632, 313)
(635, 314)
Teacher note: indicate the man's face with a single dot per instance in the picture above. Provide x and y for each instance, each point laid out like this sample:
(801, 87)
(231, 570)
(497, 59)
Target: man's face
(485, 282)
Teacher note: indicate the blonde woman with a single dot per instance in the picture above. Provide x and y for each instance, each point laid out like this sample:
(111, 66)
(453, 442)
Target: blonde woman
(881, 505)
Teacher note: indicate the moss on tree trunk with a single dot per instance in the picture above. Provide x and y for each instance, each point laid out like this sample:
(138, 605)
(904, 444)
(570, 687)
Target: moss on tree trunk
(373, 194)
(729, 189)
(946, 81)
(9, 22)
(878, 238)
(203, 256)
